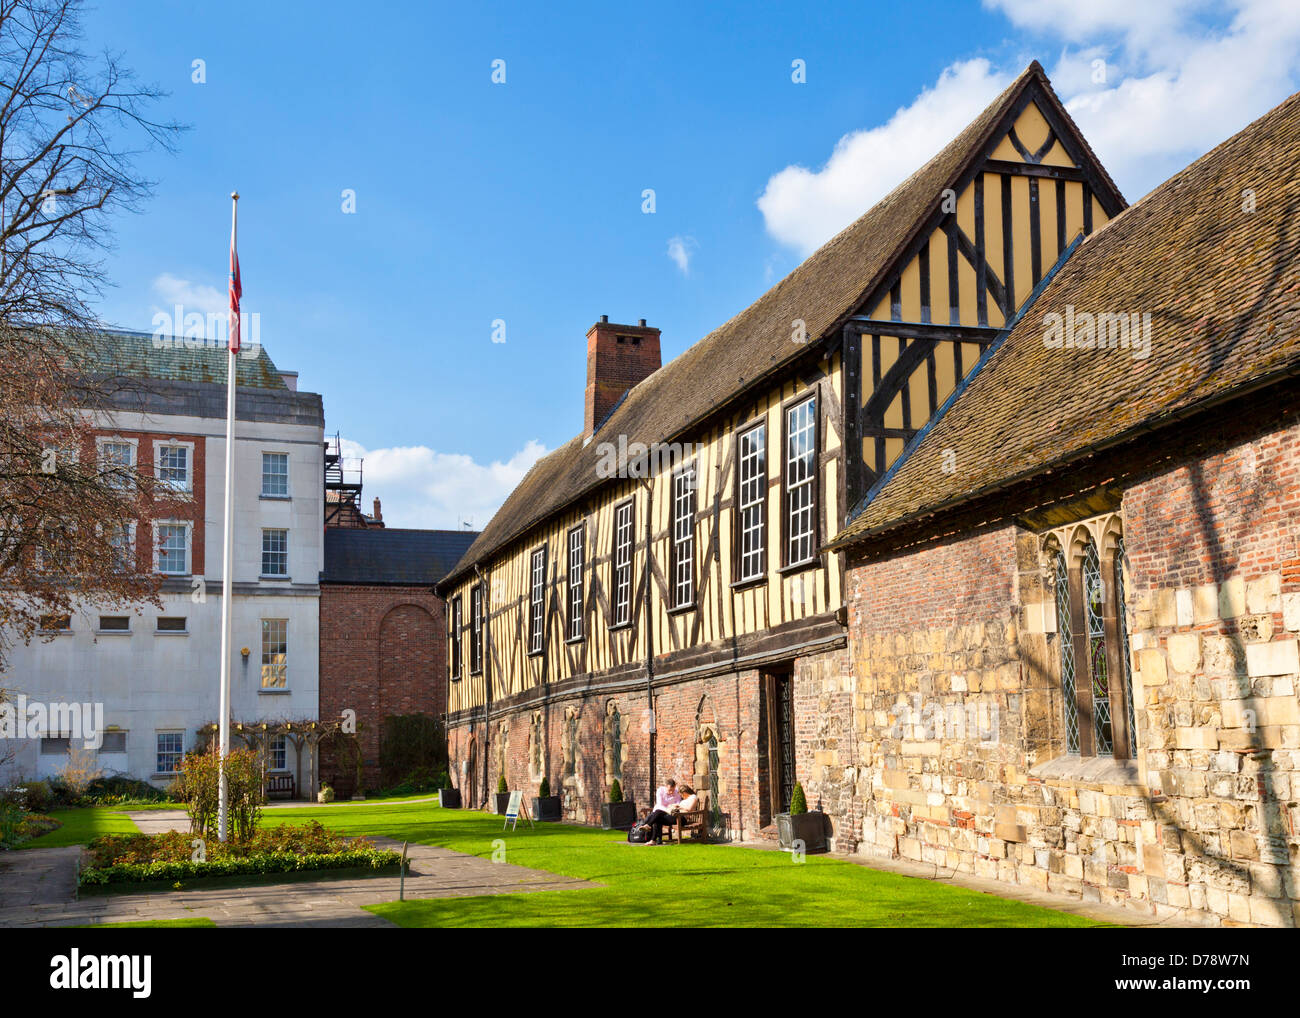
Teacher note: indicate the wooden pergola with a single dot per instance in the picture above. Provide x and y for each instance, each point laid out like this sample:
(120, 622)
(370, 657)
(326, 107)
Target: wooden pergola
(301, 733)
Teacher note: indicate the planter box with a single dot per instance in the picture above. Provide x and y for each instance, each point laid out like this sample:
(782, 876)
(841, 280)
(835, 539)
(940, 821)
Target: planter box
(547, 809)
(618, 816)
(449, 798)
(810, 828)
(344, 790)
(501, 801)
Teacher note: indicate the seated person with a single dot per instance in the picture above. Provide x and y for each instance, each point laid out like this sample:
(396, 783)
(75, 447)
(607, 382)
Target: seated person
(659, 819)
(666, 800)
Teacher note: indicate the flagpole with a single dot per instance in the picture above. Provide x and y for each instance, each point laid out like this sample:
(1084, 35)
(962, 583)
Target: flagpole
(228, 550)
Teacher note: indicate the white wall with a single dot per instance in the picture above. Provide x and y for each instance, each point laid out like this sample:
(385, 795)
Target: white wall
(149, 681)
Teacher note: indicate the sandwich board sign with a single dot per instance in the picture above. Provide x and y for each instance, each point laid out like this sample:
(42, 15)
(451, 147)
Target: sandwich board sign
(513, 809)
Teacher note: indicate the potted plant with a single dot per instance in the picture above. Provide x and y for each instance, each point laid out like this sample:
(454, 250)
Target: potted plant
(546, 806)
(800, 825)
(502, 796)
(618, 814)
(326, 794)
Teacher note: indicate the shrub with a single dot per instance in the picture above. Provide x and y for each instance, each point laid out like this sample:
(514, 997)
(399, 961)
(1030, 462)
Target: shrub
(544, 789)
(119, 788)
(199, 778)
(40, 797)
(798, 804)
(502, 787)
(81, 769)
(410, 743)
(616, 792)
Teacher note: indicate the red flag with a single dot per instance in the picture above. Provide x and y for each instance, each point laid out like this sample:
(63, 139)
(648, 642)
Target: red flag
(236, 291)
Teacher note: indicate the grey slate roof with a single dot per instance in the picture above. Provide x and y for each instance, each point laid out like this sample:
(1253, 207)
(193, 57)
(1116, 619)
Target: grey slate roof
(392, 556)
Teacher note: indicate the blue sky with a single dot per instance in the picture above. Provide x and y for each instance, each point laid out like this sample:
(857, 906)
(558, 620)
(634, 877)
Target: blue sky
(522, 201)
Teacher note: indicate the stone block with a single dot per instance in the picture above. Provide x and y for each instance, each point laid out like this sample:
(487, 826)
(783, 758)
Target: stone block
(1205, 603)
(1280, 657)
(1010, 832)
(1257, 711)
(1205, 737)
(1184, 652)
(1232, 598)
(1183, 607)
(1291, 612)
(1152, 667)
(1166, 610)
(1262, 594)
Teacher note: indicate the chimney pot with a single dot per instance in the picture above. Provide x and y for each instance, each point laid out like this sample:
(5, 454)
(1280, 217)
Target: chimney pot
(641, 323)
(604, 319)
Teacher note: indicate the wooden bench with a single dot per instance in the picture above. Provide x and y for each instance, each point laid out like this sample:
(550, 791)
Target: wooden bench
(695, 823)
(281, 786)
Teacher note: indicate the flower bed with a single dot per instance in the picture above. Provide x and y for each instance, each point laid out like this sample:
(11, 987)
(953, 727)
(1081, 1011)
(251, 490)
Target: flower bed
(168, 858)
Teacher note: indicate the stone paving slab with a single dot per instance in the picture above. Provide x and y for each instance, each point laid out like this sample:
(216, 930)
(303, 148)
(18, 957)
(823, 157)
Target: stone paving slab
(433, 873)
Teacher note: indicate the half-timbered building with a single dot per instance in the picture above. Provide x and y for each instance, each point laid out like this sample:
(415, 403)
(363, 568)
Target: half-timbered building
(647, 599)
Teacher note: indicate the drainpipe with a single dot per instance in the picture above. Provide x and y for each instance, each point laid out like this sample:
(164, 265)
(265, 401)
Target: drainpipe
(649, 631)
(487, 675)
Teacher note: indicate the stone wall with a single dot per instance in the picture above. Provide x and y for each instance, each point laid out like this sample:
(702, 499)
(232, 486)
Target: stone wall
(956, 752)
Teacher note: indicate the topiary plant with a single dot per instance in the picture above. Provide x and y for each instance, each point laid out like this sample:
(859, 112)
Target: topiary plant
(616, 792)
(798, 804)
(544, 789)
(502, 787)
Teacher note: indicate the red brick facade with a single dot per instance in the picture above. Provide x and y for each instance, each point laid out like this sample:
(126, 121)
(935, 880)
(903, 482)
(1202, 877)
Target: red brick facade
(382, 652)
(618, 357)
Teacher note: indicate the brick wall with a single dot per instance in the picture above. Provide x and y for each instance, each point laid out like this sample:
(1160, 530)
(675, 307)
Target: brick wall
(382, 652)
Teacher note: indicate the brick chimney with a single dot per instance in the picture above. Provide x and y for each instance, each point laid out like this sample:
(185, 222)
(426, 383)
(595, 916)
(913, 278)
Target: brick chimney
(618, 357)
(378, 515)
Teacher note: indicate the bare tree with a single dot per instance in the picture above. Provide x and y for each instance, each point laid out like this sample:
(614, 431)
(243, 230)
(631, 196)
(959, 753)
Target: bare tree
(71, 126)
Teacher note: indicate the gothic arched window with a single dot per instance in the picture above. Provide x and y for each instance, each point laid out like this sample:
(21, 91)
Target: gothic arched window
(1066, 640)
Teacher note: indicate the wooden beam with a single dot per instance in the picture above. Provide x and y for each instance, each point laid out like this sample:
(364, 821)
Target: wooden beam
(923, 330)
(1035, 170)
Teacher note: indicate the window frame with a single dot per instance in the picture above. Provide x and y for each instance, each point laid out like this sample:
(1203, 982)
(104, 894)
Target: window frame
(574, 601)
(476, 596)
(813, 481)
(687, 541)
(178, 753)
(537, 600)
(621, 607)
(263, 574)
(455, 625)
(128, 483)
(288, 474)
(159, 446)
(283, 685)
(188, 527)
(739, 506)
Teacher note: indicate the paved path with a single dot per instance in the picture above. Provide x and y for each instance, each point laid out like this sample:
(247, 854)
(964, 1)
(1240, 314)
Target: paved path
(37, 890)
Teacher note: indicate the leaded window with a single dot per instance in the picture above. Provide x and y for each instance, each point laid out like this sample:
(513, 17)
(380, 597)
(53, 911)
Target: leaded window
(577, 553)
(752, 502)
(1123, 640)
(1066, 641)
(1093, 597)
(801, 482)
(623, 563)
(683, 546)
(536, 602)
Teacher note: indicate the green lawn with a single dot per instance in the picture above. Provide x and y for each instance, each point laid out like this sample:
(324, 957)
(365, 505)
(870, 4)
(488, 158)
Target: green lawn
(82, 824)
(687, 885)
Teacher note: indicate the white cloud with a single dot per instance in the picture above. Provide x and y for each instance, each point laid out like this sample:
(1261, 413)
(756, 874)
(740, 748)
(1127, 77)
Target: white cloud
(680, 250)
(1181, 76)
(171, 290)
(422, 488)
(805, 208)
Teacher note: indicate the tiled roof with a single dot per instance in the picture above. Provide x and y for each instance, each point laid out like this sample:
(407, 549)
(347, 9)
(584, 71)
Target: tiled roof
(1222, 287)
(391, 556)
(755, 344)
(175, 359)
